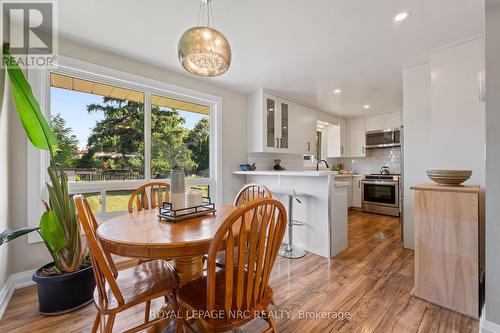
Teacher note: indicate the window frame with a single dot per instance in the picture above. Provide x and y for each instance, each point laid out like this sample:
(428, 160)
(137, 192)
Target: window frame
(38, 160)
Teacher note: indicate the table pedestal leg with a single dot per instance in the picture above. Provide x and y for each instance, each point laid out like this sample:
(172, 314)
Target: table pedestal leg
(189, 268)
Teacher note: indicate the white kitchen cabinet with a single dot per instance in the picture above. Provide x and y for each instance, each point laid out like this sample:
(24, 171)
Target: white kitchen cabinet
(356, 191)
(271, 122)
(304, 127)
(333, 144)
(375, 123)
(392, 120)
(382, 122)
(344, 147)
(357, 137)
(336, 140)
(283, 116)
(278, 125)
(349, 193)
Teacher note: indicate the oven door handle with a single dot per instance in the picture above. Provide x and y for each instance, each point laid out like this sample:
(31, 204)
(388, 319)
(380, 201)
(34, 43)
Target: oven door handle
(374, 182)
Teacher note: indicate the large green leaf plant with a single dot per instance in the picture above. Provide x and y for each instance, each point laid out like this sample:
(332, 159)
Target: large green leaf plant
(58, 224)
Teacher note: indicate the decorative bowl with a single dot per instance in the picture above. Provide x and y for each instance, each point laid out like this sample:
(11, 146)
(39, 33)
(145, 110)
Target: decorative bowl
(449, 177)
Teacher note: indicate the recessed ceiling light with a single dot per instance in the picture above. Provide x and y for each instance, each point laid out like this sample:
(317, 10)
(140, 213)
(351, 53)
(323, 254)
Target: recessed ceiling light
(337, 91)
(402, 16)
(366, 106)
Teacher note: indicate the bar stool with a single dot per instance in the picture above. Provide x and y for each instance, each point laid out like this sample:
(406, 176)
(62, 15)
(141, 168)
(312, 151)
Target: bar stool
(289, 250)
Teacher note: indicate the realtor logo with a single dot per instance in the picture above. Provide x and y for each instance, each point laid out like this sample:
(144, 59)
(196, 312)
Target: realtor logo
(30, 30)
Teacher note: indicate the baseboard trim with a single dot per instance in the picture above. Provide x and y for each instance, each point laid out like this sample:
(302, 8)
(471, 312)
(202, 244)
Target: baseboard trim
(487, 326)
(15, 281)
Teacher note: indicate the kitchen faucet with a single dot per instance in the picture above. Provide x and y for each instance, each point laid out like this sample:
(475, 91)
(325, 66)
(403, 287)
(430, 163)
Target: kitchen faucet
(317, 164)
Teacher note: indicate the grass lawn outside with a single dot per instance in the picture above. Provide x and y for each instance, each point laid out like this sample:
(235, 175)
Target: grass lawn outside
(117, 201)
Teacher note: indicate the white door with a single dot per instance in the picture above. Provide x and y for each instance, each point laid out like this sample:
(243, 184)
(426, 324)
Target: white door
(357, 137)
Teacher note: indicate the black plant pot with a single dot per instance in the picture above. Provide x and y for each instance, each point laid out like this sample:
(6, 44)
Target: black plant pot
(64, 293)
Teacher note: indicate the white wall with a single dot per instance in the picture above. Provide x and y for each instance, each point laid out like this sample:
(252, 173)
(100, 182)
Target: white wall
(492, 161)
(417, 153)
(443, 118)
(233, 141)
(457, 128)
(4, 190)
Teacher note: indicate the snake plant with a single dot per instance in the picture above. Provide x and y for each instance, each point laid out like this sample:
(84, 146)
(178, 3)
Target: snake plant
(58, 224)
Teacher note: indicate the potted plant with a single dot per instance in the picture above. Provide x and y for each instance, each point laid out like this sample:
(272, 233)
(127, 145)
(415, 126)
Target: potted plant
(66, 283)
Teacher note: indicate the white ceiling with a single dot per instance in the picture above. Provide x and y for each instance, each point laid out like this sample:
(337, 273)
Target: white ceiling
(303, 49)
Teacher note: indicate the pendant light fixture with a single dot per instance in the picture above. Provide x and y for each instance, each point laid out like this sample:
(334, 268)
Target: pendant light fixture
(203, 50)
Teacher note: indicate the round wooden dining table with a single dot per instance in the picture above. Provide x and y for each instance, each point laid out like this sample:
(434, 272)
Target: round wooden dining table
(143, 235)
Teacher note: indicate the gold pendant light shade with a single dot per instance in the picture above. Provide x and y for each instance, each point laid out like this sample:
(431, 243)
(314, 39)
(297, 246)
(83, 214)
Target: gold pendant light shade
(204, 51)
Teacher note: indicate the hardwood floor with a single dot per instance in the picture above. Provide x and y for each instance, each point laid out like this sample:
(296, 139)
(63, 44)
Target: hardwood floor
(371, 282)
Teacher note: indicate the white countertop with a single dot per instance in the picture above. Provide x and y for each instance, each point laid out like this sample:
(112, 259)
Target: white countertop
(304, 173)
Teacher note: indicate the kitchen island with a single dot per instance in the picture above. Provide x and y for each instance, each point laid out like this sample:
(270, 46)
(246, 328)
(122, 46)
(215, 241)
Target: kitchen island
(323, 207)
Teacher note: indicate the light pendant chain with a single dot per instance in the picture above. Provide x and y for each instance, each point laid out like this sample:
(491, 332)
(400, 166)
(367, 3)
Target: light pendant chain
(206, 14)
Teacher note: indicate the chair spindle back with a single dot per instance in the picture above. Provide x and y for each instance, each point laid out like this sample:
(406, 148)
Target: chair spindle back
(251, 192)
(255, 230)
(149, 196)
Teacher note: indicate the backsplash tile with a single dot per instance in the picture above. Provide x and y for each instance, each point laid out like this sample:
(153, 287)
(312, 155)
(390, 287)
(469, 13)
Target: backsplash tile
(374, 160)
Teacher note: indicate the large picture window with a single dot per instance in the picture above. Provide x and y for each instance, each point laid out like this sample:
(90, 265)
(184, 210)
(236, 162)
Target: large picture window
(179, 137)
(99, 129)
(103, 146)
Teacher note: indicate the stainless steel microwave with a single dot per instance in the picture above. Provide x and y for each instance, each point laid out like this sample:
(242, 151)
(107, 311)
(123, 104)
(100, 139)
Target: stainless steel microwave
(384, 138)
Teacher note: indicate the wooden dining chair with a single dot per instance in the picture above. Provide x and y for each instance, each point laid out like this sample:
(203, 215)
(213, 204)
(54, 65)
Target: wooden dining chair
(118, 291)
(251, 192)
(247, 194)
(240, 291)
(149, 196)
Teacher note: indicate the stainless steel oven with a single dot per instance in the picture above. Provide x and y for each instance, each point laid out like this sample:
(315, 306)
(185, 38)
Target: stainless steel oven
(383, 139)
(380, 194)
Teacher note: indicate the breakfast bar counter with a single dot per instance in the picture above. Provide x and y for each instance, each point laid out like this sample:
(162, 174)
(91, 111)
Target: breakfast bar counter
(323, 206)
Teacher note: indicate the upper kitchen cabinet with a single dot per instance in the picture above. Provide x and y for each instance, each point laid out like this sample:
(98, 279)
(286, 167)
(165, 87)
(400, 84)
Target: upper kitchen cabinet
(375, 123)
(344, 147)
(392, 120)
(382, 122)
(333, 141)
(336, 139)
(304, 126)
(278, 125)
(357, 137)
